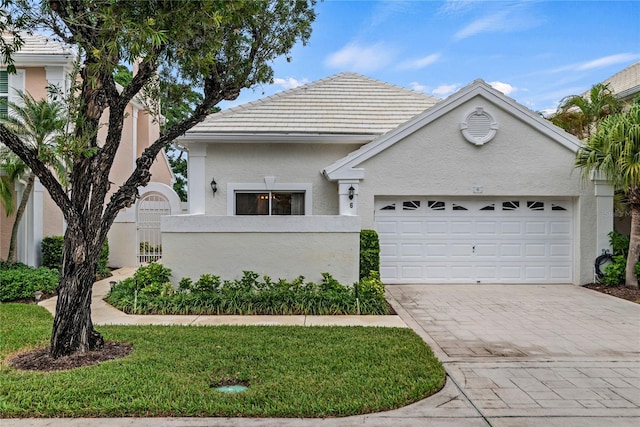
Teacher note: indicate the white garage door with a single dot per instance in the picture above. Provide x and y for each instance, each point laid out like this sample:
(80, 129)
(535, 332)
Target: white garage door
(475, 240)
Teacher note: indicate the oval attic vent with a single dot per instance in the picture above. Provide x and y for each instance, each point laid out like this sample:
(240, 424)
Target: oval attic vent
(479, 127)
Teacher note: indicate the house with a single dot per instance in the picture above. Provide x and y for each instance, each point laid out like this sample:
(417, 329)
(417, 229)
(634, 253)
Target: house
(43, 62)
(626, 83)
(474, 188)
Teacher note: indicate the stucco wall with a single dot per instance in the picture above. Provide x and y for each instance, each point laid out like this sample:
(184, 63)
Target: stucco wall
(274, 246)
(122, 244)
(519, 161)
(288, 163)
(52, 218)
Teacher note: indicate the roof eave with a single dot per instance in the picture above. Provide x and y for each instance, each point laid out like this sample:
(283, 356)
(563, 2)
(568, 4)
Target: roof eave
(275, 137)
(23, 60)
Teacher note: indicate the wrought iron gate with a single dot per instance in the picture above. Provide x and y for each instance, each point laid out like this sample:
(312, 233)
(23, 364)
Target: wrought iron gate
(150, 208)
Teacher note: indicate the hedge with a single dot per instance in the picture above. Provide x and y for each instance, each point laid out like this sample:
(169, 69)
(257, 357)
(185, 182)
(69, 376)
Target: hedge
(369, 253)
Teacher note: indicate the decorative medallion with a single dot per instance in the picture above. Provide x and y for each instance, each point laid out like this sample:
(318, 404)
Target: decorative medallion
(479, 127)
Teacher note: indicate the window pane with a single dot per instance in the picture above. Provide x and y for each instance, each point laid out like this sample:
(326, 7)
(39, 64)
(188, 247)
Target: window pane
(4, 82)
(287, 203)
(252, 203)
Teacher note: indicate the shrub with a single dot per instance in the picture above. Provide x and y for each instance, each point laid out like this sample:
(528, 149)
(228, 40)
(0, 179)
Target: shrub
(149, 292)
(369, 253)
(619, 243)
(18, 281)
(614, 271)
(103, 261)
(52, 248)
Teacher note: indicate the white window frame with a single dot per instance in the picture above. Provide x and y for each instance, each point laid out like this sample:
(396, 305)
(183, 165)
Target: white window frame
(233, 188)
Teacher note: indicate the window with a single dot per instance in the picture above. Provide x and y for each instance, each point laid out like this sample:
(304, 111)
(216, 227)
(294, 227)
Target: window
(270, 203)
(435, 205)
(410, 205)
(4, 93)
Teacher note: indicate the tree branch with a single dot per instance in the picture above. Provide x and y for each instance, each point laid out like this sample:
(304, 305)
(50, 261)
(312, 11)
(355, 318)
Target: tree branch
(30, 157)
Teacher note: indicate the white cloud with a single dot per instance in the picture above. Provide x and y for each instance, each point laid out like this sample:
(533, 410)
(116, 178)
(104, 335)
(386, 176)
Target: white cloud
(444, 90)
(519, 17)
(418, 87)
(416, 64)
(289, 82)
(607, 60)
(360, 58)
(456, 6)
(505, 88)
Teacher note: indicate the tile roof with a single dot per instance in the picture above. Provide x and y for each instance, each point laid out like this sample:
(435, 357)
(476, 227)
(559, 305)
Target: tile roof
(626, 80)
(343, 104)
(36, 44)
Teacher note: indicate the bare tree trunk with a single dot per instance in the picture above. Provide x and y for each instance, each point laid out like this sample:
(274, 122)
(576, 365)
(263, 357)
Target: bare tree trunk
(631, 281)
(72, 326)
(11, 256)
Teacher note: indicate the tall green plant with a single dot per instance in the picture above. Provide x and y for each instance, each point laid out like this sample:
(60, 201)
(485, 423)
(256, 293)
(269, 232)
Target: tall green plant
(614, 152)
(37, 123)
(369, 253)
(579, 115)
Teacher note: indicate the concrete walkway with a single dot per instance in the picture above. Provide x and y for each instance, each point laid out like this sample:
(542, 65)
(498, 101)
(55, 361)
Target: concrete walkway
(521, 355)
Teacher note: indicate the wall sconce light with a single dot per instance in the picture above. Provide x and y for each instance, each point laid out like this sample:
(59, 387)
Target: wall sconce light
(351, 192)
(214, 186)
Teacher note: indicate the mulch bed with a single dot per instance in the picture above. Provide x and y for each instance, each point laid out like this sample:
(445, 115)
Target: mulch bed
(39, 359)
(617, 291)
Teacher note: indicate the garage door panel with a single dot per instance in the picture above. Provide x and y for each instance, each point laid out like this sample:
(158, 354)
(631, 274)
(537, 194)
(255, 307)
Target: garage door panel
(388, 250)
(518, 241)
(486, 272)
(435, 250)
(461, 228)
(486, 250)
(535, 228)
(535, 250)
(510, 273)
(560, 228)
(460, 250)
(411, 250)
(558, 250)
(435, 273)
(537, 273)
(410, 228)
(486, 228)
(387, 228)
(510, 250)
(412, 272)
(560, 273)
(510, 228)
(437, 228)
(462, 273)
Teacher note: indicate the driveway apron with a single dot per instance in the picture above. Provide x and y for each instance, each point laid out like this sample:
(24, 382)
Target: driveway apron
(531, 355)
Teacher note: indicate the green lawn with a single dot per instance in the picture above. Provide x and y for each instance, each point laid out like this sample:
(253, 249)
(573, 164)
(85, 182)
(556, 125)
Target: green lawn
(292, 371)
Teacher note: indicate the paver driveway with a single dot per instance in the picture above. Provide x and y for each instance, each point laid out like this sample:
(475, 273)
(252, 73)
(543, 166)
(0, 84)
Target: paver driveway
(522, 352)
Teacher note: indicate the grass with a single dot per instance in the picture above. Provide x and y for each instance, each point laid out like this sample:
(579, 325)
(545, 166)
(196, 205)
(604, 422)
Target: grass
(292, 371)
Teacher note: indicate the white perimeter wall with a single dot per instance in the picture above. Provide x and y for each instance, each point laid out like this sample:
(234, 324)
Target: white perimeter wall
(279, 247)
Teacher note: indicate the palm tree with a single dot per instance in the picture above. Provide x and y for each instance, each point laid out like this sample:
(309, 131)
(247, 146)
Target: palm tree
(579, 115)
(37, 122)
(614, 151)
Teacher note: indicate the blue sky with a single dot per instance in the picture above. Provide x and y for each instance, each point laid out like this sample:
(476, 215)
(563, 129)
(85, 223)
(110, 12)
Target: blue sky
(536, 52)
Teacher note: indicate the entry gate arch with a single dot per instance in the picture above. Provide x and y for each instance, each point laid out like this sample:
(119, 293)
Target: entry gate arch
(150, 208)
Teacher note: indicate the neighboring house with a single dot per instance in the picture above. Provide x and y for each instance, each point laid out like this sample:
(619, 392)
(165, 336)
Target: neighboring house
(626, 83)
(475, 188)
(40, 63)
